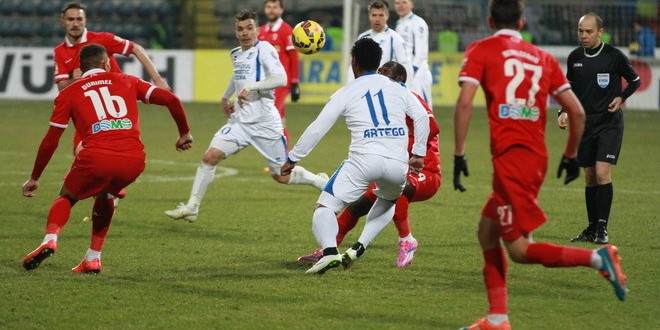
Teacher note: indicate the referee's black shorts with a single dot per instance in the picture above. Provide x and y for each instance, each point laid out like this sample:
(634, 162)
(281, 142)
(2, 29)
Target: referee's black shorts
(601, 142)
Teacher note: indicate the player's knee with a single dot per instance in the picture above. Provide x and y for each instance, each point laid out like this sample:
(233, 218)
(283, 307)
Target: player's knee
(283, 179)
(518, 256)
(213, 156)
(603, 176)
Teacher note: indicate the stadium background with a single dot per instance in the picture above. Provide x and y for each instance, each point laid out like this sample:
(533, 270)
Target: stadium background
(189, 40)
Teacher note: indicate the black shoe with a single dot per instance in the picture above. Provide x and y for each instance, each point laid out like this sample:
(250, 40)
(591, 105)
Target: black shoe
(585, 236)
(601, 236)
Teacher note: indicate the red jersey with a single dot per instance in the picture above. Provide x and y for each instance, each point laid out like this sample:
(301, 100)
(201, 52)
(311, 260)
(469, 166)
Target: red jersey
(432, 158)
(66, 53)
(516, 77)
(103, 108)
(279, 35)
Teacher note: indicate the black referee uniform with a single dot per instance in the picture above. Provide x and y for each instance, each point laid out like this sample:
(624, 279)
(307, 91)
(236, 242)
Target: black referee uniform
(595, 77)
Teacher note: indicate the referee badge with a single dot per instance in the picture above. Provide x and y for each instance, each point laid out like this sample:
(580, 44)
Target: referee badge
(603, 79)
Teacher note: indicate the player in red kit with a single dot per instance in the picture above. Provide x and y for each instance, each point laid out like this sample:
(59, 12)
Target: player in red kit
(517, 78)
(103, 108)
(420, 186)
(278, 33)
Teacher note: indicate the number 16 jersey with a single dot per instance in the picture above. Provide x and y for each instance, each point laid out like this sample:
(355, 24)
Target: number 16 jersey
(103, 107)
(516, 77)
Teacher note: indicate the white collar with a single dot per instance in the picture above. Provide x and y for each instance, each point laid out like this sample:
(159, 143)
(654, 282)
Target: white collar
(275, 26)
(408, 16)
(602, 45)
(91, 72)
(83, 38)
(509, 32)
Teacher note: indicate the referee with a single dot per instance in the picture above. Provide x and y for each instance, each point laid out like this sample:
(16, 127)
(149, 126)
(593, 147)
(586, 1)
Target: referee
(595, 70)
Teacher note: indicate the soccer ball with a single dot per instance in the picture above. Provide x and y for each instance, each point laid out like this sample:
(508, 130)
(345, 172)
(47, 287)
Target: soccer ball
(308, 37)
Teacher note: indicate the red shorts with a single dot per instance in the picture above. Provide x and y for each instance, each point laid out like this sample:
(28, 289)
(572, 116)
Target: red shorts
(426, 184)
(280, 98)
(93, 173)
(513, 205)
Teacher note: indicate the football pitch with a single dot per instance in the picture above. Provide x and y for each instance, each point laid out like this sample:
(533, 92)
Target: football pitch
(235, 267)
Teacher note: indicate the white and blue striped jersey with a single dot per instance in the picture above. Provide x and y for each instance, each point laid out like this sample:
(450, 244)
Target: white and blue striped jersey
(394, 48)
(375, 110)
(250, 66)
(415, 32)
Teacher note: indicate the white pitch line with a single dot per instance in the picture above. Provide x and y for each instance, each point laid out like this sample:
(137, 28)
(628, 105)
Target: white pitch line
(219, 173)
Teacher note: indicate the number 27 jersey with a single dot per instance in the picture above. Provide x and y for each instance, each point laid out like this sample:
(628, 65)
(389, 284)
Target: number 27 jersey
(103, 108)
(516, 77)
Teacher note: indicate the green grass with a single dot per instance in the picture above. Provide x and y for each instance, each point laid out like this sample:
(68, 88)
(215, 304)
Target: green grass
(235, 267)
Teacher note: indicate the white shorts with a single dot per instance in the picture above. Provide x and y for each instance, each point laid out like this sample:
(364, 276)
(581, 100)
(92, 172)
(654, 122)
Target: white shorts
(235, 136)
(356, 173)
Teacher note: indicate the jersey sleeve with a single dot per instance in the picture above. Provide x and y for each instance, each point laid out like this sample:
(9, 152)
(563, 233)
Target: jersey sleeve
(558, 81)
(625, 69)
(294, 58)
(420, 118)
(420, 46)
(271, 60)
(143, 89)
(472, 68)
(115, 44)
(61, 71)
(401, 55)
(61, 111)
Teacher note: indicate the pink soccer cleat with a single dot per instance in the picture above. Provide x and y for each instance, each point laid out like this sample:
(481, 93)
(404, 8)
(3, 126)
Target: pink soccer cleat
(406, 253)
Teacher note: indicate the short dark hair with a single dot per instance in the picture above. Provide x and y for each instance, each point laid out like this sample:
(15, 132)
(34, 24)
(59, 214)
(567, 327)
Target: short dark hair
(91, 56)
(367, 54)
(394, 71)
(506, 13)
(596, 17)
(281, 2)
(379, 4)
(72, 5)
(245, 14)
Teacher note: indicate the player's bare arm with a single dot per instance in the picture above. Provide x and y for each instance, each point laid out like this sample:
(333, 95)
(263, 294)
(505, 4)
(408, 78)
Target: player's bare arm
(227, 107)
(462, 115)
(148, 65)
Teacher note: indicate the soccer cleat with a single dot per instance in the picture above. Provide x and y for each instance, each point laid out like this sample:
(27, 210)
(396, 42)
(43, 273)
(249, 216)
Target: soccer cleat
(312, 257)
(321, 180)
(348, 258)
(182, 212)
(325, 263)
(611, 270)
(34, 258)
(90, 267)
(483, 324)
(406, 253)
(601, 236)
(585, 236)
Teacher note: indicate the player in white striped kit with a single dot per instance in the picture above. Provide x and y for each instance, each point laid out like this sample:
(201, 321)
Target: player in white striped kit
(392, 44)
(374, 108)
(253, 119)
(415, 32)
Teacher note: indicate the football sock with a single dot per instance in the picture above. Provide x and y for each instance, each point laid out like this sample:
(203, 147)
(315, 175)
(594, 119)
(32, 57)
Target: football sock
(49, 237)
(299, 175)
(92, 254)
(408, 238)
(58, 215)
(590, 194)
(494, 271)
(324, 226)
(497, 319)
(359, 249)
(401, 216)
(346, 222)
(331, 251)
(604, 202)
(596, 260)
(203, 178)
(550, 255)
(101, 218)
(377, 219)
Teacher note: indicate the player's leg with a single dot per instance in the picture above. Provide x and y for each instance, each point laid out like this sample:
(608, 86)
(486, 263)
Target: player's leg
(587, 159)
(424, 81)
(609, 147)
(280, 103)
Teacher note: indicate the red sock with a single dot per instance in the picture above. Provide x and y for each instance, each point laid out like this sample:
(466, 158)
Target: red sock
(401, 216)
(347, 221)
(58, 215)
(101, 217)
(550, 255)
(495, 268)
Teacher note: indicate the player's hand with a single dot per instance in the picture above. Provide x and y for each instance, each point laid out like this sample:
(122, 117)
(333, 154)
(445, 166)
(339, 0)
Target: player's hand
(572, 169)
(416, 164)
(242, 96)
(162, 84)
(287, 167)
(562, 120)
(77, 73)
(615, 104)
(295, 92)
(184, 142)
(227, 107)
(460, 166)
(29, 187)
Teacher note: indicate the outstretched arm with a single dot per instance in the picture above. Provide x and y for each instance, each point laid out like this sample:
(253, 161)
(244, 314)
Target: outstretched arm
(166, 98)
(46, 150)
(148, 65)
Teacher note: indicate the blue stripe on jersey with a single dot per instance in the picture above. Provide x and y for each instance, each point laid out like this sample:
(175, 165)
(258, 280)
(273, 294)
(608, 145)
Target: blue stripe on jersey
(426, 99)
(284, 142)
(328, 185)
(383, 107)
(413, 43)
(391, 48)
(258, 68)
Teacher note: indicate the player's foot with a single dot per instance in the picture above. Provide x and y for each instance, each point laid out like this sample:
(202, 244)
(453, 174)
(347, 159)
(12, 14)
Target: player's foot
(182, 212)
(325, 263)
(85, 266)
(585, 236)
(34, 258)
(312, 257)
(120, 195)
(321, 180)
(611, 270)
(348, 258)
(601, 236)
(406, 253)
(483, 324)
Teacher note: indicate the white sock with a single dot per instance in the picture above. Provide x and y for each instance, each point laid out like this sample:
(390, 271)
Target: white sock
(203, 178)
(299, 175)
(497, 319)
(49, 237)
(596, 260)
(379, 216)
(92, 254)
(408, 238)
(325, 227)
